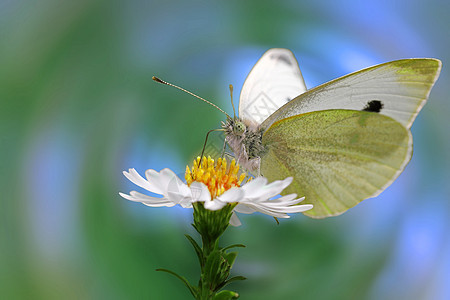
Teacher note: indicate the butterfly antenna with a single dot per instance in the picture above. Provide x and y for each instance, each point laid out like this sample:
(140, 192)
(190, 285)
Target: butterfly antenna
(232, 103)
(186, 91)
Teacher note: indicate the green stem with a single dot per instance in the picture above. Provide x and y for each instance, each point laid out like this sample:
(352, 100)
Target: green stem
(215, 263)
(206, 288)
(209, 246)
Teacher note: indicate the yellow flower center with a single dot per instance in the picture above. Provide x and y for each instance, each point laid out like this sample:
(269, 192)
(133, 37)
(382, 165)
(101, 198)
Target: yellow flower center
(215, 175)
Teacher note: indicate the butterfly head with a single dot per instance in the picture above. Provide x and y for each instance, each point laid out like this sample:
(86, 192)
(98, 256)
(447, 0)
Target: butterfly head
(234, 127)
(239, 127)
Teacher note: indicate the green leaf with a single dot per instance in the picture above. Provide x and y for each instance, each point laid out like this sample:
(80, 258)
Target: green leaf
(232, 279)
(226, 282)
(226, 295)
(230, 257)
(197, 249)
(233, 246)
(191, 288)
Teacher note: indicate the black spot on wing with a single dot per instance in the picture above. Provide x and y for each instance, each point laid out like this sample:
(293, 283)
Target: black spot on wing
(373, 106)
(282, 58)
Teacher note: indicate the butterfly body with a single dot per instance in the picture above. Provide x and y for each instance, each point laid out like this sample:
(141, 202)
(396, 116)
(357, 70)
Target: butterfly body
(245, 139)
(344, 141)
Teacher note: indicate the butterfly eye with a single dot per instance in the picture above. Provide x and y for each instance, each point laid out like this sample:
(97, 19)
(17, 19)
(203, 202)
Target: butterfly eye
(239, 128)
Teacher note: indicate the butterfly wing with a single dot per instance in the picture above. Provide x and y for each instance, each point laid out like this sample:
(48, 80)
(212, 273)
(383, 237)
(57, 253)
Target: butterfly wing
(274, 80)
(337, 157)
(397, 89)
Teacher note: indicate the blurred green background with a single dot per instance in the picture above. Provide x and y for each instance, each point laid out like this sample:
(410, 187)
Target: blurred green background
(78, 106)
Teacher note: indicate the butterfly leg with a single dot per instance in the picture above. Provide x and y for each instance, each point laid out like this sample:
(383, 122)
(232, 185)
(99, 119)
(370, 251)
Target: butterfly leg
(255, 166)
(223, 148)
(258, 172)
(229, 155)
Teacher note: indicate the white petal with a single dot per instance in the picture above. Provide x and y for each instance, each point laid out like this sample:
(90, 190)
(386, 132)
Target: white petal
(245, 209)
(254, 187)
(154, 180)
(147, 200)
(280, 203)
(170, 181)
(138, 197)
(144, 197)
(138, 180)
(215, 204)
(258, 190)
(302, 208)
(200, 192)
(269, 212)
(287, 207)
(257, 198)
(273, 211)
(232, 195)
(234, 220)
(178, 191)
(273, 189)
(168, 204)
(128, 197)
(180, 199)
(290, 199)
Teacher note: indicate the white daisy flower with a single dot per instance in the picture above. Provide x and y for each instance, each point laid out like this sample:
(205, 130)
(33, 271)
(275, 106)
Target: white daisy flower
(216, 186)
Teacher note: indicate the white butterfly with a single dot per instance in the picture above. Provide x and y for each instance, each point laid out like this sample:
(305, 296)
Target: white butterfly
(344, 141)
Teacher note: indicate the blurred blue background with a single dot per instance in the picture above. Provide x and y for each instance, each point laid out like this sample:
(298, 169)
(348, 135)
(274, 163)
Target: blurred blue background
(78, 106)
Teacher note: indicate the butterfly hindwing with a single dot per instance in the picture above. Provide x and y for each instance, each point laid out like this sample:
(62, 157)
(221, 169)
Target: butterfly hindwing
(397, 89)
(337, 157)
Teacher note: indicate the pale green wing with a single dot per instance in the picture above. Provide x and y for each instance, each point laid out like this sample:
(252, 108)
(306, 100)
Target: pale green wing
(400, 88)
(337, 157)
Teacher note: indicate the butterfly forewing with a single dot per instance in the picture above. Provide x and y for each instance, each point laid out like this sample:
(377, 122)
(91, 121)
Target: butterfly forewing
(274, 80)
(397, 89)
(337, 157)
